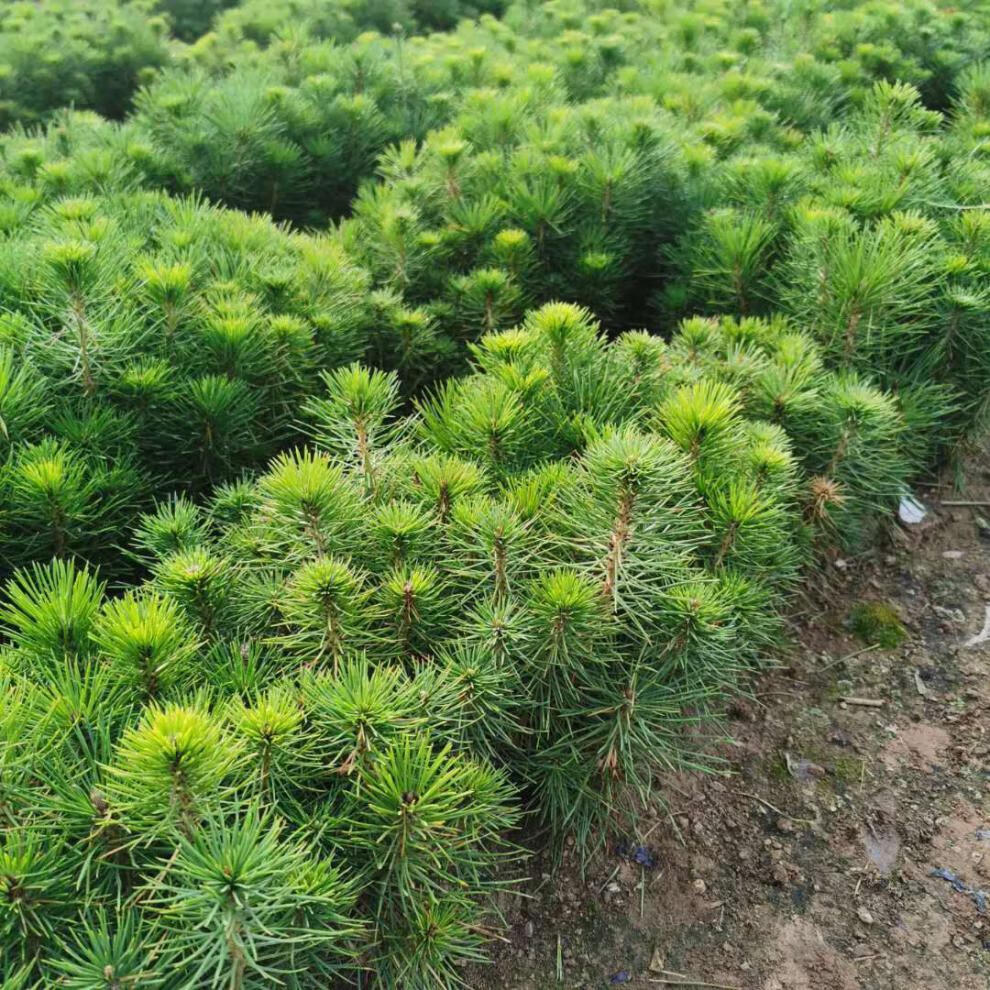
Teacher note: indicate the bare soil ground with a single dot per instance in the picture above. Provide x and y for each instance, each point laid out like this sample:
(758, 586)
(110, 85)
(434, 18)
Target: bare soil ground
(809, 864)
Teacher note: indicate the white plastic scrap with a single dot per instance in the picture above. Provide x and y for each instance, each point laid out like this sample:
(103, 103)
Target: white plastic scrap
(911, 511)
(984, 634)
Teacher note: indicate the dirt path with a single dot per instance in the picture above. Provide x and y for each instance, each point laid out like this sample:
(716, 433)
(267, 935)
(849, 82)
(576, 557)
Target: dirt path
(811, 866)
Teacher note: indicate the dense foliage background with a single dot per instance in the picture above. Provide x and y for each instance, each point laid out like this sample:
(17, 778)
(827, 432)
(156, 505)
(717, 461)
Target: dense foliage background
(350, 518)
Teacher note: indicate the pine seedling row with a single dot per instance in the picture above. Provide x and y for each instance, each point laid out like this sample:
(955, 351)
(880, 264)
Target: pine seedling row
(349, 549)
(300, 748)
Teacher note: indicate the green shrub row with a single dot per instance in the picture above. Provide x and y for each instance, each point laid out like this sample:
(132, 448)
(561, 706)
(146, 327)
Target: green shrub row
(154, 342)
(151, 343)
(291, 116)
(291, 739)
(715, 77)
(260, 22)
(543, 165)
(872, 238)
(96, 54)
(296, 749)
(91, 54)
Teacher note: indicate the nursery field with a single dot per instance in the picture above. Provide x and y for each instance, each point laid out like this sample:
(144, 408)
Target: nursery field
(430, 431)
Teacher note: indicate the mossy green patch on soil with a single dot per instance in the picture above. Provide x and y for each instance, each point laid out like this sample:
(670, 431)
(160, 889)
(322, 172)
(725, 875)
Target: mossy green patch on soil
(878, 624)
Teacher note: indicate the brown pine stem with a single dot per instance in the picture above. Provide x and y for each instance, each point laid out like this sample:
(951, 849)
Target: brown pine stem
(78, 310)
(312, 517)
(239, 964)
(407, 617)
(621, 531)
(839, 454)
(737, 283)
(727, 542)
(364, 452)
(852, 325)
(333, 639)
(171, 323)
(489, 312)
(181, 798)
(501, 577)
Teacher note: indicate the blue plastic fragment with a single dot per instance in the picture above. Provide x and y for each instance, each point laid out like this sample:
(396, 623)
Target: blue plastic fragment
(979, 896)
(623, 976)
(945, 874)
(641, 855)
(644, 857)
